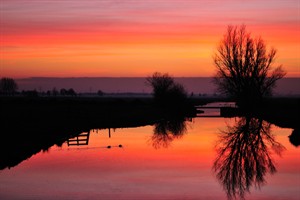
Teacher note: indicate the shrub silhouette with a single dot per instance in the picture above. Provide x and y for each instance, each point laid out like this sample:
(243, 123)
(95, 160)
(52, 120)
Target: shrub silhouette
(165, 90)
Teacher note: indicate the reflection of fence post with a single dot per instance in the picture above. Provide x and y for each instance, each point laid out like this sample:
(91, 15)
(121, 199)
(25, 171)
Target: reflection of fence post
(88, 138)
(81, 139)
(109, 132)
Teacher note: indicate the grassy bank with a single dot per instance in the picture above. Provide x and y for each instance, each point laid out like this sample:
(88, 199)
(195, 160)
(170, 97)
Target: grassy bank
(29, 125)
(120, 112)
(103, 112)
(283, 112)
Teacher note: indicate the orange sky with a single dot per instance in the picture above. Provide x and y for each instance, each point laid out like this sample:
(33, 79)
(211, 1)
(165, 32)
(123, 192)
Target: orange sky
(136, 38)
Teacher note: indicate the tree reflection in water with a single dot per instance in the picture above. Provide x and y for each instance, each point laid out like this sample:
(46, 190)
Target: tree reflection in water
(166, 131)
(244, 156)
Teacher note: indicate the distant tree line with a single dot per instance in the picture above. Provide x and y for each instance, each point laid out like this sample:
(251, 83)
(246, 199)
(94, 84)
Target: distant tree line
(8, 87)
(61, 92)
(54, 92)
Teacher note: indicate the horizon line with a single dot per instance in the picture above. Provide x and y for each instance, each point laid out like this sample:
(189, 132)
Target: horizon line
(72, 77)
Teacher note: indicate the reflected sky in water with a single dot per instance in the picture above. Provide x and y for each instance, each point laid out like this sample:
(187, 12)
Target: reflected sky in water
(182, 169)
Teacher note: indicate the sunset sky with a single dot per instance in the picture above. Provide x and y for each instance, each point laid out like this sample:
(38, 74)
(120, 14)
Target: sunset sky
(96, 38)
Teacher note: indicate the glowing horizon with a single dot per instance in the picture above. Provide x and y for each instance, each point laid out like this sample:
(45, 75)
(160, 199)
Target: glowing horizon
(136, 38)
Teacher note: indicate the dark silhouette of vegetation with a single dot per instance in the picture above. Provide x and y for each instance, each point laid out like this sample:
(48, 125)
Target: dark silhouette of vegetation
(244, 156)
(48, 93)
(295, 137)
(8, 86)
(283, 112)
(30, 93)
(244, 67)
(166, 91)
(54, 92)
(63, 91)
(69, 92)
(166, 131)
(72, 92)
(100, 93)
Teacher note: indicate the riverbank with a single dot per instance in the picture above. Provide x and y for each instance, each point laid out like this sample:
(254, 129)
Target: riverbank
(29, 125)
(117, 112)
(283, 112)
(106, 112)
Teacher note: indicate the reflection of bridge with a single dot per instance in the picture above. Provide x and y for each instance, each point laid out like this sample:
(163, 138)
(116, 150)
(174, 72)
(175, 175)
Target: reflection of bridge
(81, 139)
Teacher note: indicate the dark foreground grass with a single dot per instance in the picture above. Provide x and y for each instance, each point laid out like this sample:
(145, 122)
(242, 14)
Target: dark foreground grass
(283, 112)
(119, 112)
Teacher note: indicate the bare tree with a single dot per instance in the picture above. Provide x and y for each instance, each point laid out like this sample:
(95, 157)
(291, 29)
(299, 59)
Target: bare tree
(244, 66)
(8, 86)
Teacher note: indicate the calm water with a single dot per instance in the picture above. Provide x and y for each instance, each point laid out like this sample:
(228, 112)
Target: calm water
(206, 158)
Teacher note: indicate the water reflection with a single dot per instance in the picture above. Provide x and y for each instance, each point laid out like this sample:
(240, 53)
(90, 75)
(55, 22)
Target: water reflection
(81, 139)
(244, 156)
(124, 163)
(166, 131)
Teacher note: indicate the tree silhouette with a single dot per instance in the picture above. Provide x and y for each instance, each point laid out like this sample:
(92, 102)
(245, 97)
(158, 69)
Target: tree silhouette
(54, 92)
(244, 156)
(166, 131)
(100, 93)
(71, 92)
(244, 67)
(8, 86)
(165, 90)
(63, 91)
